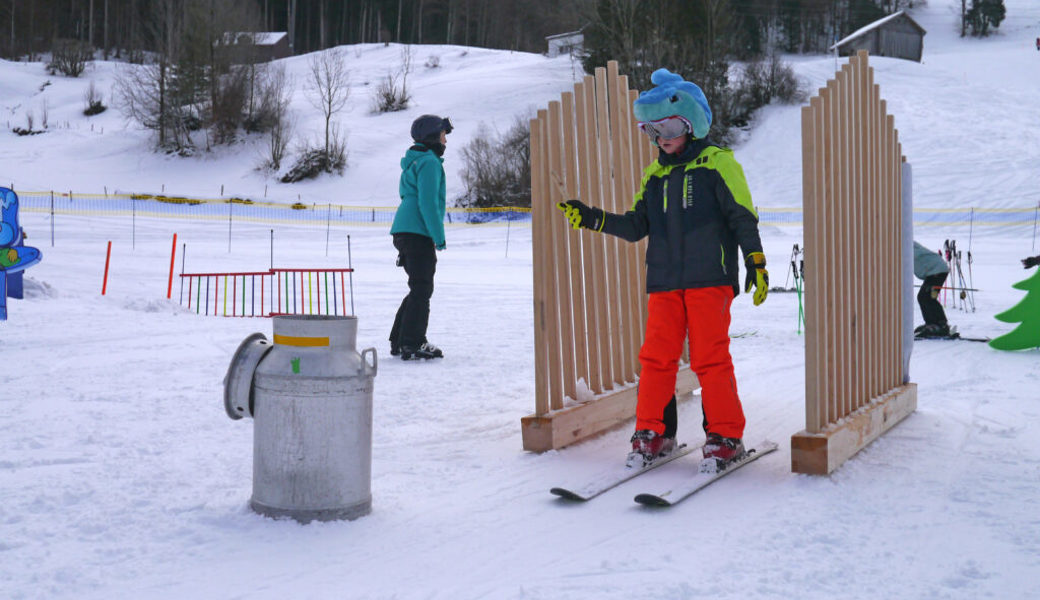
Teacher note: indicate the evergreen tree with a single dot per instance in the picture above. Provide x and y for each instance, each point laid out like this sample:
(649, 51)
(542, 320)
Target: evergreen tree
(984, 14)
(1027, 314)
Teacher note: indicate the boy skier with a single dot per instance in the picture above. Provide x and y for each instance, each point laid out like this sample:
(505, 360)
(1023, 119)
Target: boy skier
(695, 206)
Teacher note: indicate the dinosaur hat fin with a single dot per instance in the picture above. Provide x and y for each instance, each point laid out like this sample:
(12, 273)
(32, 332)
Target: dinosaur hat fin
(674, 96)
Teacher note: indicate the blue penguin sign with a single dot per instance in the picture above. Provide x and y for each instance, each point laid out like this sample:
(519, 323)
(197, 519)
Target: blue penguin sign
(14, 257)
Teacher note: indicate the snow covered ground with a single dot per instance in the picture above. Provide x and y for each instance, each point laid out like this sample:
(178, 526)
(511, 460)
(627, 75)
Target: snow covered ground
(122, 477)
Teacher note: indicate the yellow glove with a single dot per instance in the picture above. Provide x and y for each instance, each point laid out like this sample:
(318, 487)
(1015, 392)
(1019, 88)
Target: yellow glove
(757, 276)
(580, 215)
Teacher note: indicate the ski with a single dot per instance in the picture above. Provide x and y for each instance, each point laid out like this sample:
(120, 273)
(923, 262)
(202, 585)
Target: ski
(615, 477)
(956, 336)
(703, 479)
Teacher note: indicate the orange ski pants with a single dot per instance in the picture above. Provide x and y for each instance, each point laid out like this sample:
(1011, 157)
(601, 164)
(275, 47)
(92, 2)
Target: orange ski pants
(703, 315)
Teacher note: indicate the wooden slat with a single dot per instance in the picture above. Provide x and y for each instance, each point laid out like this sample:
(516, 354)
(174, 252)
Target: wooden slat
(579, 331)
(871, 271)
(629, 168)
(591, 259)
(540, 256)
(561, 264)
(810, 195)
(611, 243)
(828, 283)
(624, 298)
(551, 309)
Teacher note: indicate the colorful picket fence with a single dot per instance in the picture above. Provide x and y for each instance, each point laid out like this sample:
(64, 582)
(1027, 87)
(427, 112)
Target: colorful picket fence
(269, 293)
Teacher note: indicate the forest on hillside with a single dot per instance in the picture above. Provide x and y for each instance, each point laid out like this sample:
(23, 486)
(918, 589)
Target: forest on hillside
(126, 28)
(195, 90)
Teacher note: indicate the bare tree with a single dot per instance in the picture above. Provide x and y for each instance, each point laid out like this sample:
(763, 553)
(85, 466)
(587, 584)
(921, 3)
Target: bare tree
(151, 94)
(329, 86)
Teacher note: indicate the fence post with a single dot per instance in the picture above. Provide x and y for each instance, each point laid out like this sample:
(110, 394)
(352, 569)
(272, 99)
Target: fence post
(184, 250)
(509, 221)
(350, 265)
(229, 205)
(108, 258)
(173, 256)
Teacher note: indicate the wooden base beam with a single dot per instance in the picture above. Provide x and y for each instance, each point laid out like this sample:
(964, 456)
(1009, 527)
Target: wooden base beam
(821, 453)
(566, 426)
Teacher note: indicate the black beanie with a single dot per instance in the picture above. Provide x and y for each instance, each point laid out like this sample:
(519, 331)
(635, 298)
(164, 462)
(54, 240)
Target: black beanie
(428, 128)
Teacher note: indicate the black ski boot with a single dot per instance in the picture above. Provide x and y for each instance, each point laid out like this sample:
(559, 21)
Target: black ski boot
(425, 350)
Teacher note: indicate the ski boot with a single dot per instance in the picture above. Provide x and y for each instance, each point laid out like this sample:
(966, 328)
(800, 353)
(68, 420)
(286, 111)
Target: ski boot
(424, 350)
(720, 451)
(934, 330)
(648, 446)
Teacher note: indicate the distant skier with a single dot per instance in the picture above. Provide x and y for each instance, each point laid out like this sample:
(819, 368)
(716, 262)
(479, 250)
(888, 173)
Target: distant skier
(418, 231)
(930, 267)
(1030, 261)
(695, 206)
(1038, 44)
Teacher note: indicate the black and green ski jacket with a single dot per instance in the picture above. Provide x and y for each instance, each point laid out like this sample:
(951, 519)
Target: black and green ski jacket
(696, 208)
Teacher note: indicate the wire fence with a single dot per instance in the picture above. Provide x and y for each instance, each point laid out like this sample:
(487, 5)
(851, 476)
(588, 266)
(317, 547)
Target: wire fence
(335, 215)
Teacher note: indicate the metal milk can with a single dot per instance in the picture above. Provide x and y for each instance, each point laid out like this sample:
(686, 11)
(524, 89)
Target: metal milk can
(310, 396)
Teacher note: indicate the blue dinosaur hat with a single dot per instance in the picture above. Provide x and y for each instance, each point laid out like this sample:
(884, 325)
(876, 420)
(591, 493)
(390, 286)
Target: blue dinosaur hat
(674, 96)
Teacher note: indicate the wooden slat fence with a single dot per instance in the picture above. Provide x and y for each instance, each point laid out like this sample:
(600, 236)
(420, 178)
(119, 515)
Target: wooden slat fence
(852, 199)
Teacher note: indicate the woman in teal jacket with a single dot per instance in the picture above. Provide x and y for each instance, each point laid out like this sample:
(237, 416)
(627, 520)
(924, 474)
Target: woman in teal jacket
(418, 231)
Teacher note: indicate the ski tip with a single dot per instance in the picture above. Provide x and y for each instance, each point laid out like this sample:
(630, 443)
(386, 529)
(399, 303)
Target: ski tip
(765, 446)
(567, 494)
(652, 500)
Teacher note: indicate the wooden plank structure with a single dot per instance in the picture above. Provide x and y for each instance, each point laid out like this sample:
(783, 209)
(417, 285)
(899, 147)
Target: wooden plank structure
(852, 191)
(589, 288)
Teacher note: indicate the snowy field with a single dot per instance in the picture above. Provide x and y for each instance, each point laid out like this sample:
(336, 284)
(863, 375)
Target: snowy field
(121, 477)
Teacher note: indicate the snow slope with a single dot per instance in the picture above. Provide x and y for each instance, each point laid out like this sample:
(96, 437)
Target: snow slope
(121, 476)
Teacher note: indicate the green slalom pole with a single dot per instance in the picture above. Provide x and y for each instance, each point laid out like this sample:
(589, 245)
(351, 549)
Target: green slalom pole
(801, 312)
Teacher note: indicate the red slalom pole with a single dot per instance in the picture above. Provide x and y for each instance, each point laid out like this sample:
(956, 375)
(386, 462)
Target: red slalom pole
(108, 257)
(173, 255)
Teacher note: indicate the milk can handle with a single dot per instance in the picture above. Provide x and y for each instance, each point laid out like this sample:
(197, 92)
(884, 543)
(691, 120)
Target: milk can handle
(366, 366)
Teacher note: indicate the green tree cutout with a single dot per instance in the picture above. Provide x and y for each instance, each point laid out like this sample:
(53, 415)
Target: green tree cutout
(1027, 314)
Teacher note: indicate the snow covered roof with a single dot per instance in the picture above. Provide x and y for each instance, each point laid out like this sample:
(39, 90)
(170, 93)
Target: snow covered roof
(876, 24)
(259, 38)
(565, 35)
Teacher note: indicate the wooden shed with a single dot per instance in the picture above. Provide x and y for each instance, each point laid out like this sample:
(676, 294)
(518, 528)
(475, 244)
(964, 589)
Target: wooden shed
(255, 47)
(895, 36)
(572, 42)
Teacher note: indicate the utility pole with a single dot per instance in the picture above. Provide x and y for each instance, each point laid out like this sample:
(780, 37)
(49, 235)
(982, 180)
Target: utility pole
(13, 7)
(290, 7)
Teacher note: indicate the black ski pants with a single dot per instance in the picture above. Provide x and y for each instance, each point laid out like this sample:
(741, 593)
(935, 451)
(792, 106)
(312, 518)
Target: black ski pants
(419, 258)
(931, 310)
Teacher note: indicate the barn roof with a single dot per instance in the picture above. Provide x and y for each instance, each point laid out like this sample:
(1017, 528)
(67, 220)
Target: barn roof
(565, 35)
(877, 24)
(258, 38)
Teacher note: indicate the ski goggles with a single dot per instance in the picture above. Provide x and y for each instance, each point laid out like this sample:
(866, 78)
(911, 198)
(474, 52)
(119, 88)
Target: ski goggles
(667, 128)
